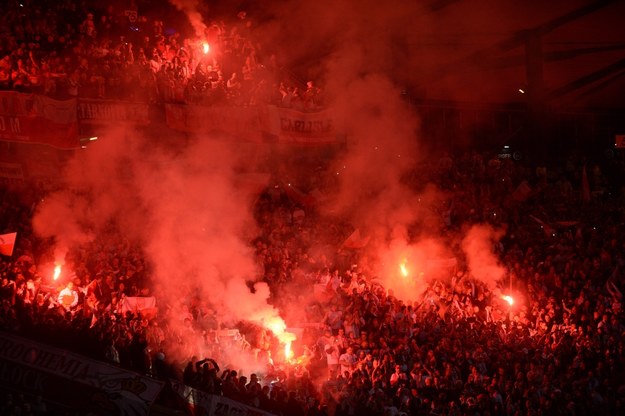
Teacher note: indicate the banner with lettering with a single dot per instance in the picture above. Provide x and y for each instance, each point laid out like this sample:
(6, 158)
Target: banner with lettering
(11, 171)
(111, 112)
(292, 126)
(81, 383)
(199, 403)
(254, 123)
(240, 122)
(29, 118)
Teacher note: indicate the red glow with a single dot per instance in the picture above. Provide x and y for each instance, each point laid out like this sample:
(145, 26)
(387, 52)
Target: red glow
(403, 269)
(57, 272)
(288, 353)
(278, 327)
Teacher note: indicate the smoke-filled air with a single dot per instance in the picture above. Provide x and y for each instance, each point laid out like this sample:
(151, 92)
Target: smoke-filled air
(183, 206)
(312, 207)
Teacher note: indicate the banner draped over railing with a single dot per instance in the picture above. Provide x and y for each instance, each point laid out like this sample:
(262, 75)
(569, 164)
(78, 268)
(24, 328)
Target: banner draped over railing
(112, 112)
(30, 118)
(37, 119)
(199, 403)
(11, 171)
(239, 122)
(253, 123)
(83, 384)
(292, 126)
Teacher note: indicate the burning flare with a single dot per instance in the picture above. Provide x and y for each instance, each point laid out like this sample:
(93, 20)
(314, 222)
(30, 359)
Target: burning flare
(278, 327)
(275, 325)
(288, 353)
(206, 48)
(403, 269)
(57, 272)
(508, 299)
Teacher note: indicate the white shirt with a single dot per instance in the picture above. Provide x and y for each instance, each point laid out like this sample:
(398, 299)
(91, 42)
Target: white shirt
(68, 298)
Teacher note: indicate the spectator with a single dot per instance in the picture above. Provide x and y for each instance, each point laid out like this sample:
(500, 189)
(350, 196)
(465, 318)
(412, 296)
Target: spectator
(68, 297)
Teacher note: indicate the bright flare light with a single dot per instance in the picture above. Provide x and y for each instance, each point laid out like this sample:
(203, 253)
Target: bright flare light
(288, 353)
(403, 269)
(278, 327)
(275, 325)
(206, 47)
(57, 271)
(508, 299)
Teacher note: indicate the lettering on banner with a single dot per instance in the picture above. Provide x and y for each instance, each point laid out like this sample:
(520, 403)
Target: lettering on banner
(205, 403)
(11, 171)
(124, 388)
(10, 124)
(56, 363)
(306, 127)
(15, 103)
(194, 397)
(225, 409)
(28, 379)
(112, 111)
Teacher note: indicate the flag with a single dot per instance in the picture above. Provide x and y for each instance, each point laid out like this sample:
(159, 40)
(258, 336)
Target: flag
(300, 197)
(548, 229)
(522, 192)
(355, 240)
(143, 304)
(7, 243)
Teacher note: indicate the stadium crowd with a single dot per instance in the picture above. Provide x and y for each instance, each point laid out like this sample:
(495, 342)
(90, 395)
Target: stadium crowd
(461, 349)
(67, 49)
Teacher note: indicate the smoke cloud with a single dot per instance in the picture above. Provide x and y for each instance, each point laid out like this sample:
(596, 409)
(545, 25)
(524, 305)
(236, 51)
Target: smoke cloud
(192, 9)
(482, 262)
(182, 206)
(181, 202)
(359, 74)
(372, 52)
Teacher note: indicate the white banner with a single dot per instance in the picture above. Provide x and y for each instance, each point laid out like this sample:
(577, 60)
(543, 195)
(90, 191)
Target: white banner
(201, 403)
(291, 126)
(137, 303)
(125, 392)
